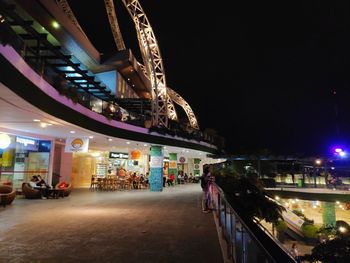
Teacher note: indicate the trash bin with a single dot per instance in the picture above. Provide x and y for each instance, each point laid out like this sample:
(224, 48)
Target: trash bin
(300, 182)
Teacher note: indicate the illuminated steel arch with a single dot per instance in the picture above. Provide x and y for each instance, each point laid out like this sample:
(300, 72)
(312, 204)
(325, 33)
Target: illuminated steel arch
(163, 97)
(113, 22)
(175, 97)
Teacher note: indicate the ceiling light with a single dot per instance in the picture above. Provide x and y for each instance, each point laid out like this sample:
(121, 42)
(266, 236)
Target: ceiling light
(72, 131)
(91, 137)
(36, 120)
(127, 142)
(145, 144)
(43, 125)
(5, 141)
(110, 139)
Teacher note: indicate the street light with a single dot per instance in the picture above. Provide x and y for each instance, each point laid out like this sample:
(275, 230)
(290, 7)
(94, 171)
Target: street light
(318, 161)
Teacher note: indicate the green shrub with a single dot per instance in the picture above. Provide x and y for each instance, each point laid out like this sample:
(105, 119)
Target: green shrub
(281, 226)
(310, 231)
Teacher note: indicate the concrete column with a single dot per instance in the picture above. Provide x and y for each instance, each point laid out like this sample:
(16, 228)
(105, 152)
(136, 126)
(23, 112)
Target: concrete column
(173, 165)
(156, 169)
(328, 214)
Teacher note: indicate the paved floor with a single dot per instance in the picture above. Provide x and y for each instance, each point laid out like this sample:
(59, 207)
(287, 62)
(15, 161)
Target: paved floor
(136, 226)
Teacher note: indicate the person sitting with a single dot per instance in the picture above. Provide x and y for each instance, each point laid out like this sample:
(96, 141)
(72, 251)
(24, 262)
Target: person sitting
(33, 182)
(186, 178)
(171, 179)
(190, 178)
(44, 187)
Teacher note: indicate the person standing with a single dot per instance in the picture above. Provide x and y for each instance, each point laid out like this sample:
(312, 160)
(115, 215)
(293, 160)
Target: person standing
(206, 181)
(294, 252)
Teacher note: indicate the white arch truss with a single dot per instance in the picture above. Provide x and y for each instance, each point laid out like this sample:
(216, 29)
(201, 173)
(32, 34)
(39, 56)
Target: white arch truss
(113, 22)
(174, 96)
(163, 108)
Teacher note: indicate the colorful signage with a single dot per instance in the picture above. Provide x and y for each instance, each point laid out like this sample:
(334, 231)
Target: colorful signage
(117, 155)
(77, 144)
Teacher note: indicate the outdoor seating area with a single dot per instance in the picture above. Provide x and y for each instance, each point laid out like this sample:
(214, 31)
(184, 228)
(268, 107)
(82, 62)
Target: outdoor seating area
(118, 183)
(45, 192)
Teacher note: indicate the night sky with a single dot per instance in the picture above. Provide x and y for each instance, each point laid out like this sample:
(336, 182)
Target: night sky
(267, 76)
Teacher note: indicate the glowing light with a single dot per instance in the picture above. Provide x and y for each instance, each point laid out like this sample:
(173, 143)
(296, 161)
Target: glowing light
(127, 142)
(277, 197)
(5, 141)
(43, 125)
(96, 154)
(337, 202)
(318, 161)
(36, 120)
(55, 25)
(302, 210)
(342, 229)
(342, 154)
(72, 131)
(91, 137)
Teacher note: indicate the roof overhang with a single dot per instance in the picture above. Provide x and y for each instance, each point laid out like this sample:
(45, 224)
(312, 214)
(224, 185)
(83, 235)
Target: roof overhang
(125, 62)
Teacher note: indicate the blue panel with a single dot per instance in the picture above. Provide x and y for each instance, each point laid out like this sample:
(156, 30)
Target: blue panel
(156, 179)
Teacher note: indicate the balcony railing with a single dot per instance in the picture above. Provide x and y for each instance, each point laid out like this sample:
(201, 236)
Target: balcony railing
(247, 241)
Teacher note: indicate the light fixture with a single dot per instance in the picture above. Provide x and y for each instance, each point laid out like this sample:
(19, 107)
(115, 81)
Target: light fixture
(110, 139)
(43, 125)
(145, 144)
(5, 141)
(55, 25)
(72, 131)
(36, 120)
(91, 137)
(127, 142)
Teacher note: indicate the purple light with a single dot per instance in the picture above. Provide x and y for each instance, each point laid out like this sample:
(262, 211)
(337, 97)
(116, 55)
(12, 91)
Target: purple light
(338, 150)
(342, 154)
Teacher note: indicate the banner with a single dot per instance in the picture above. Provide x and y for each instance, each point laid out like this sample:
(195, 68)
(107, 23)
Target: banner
(77, 144)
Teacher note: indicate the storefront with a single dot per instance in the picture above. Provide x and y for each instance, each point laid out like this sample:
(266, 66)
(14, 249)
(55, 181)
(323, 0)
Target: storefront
(103, 164)
(22, 158)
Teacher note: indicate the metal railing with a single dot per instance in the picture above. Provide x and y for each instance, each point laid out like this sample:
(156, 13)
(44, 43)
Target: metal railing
(247, 241)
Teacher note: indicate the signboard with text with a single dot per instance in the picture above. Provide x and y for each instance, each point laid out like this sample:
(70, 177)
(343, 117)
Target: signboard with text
(77, 144)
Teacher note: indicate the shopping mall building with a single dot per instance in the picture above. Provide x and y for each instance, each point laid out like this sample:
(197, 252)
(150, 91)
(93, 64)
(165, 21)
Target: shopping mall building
(68, 114)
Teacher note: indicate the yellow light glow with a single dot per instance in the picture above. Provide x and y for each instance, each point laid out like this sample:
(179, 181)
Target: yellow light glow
(342, 229)
(5, 141)
(277, 197)
(55, 25)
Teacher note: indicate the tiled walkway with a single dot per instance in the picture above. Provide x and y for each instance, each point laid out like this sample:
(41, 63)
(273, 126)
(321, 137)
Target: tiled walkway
(131, 226)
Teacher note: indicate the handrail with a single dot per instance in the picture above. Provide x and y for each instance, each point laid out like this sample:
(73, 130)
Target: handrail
(272, 249)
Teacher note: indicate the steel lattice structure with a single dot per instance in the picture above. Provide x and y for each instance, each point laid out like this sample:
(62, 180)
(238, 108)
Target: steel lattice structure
(163, 97)
(113, 21)
(175, 97)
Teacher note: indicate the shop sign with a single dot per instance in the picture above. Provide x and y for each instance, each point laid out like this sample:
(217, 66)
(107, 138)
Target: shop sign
(25, 141)
(182, 159)
(117, 155)
(172, 164)
(135, 155)
(196, 166)
(156, 162)
(77, 144)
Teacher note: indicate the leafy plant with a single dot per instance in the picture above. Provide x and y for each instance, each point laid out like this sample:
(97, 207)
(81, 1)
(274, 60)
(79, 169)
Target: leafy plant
(246, 191)
(310, 231)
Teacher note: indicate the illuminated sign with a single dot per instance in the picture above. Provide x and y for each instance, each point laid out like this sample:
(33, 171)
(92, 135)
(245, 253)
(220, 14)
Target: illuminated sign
(25, 141)
(77, 144)
(117, 155)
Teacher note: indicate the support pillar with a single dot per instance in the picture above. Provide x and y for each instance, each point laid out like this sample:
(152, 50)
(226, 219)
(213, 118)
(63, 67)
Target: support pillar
(156, 169)
(328, 214)
(173, 165)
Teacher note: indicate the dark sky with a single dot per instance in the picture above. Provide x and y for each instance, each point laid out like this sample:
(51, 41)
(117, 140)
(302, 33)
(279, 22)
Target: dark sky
(262, 74)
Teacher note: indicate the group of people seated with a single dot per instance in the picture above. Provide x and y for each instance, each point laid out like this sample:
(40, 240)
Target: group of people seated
(182, 178)
(39, 183)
